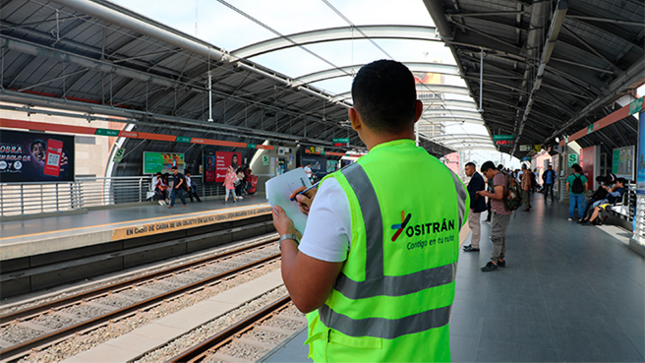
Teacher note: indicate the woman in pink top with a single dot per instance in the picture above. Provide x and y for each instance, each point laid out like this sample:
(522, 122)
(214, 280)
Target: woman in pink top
(229, 183)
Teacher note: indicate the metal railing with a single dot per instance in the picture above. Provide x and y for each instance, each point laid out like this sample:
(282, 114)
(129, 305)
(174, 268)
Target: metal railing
(17, 199)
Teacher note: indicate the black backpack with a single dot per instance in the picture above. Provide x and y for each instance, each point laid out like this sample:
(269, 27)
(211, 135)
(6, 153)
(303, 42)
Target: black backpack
(577, 187)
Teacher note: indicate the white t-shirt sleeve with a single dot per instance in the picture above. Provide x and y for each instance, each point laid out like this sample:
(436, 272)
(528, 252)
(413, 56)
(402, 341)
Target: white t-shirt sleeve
(328, 232)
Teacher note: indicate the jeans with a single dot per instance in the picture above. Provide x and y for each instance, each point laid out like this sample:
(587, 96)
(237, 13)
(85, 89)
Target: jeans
(498, 228)
(548, 188)
(174, 193)
(576, 200)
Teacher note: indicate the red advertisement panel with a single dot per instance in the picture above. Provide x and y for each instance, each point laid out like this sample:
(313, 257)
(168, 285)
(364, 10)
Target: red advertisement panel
(222, 160)
(587, 158)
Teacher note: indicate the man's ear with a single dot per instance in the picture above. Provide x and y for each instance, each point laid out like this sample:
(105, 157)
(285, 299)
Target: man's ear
(355, 119)
(418, 111)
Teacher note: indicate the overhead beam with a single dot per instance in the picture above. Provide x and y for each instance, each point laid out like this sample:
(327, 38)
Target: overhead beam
(408, 32)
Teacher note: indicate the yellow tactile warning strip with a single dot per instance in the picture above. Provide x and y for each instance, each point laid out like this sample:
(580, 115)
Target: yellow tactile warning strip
(186, 221)
(259, 209)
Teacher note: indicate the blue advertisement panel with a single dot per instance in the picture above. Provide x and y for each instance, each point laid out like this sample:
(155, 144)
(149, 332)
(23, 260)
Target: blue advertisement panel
(640, 174)
(36, 157)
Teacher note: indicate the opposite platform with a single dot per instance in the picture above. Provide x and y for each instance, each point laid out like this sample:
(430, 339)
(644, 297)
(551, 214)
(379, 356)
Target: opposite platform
(53, 234)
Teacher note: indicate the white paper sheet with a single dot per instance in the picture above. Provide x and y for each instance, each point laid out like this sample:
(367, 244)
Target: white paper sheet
(279, 188)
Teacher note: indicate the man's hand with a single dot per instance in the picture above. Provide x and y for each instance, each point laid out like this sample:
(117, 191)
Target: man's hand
(282, 223)
(304, 201)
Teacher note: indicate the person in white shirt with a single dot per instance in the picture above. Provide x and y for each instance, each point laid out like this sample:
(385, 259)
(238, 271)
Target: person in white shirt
(308, 170)
(191, 188)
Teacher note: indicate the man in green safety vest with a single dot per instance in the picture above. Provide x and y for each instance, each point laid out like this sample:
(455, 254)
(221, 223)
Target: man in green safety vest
(377, 262)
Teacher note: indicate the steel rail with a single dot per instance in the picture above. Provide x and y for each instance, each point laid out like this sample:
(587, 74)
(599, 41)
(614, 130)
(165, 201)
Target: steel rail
(39, 309)
(199, 351)
(15, 351)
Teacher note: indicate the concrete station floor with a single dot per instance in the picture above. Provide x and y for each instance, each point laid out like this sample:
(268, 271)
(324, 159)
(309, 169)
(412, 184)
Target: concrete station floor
(569, 293)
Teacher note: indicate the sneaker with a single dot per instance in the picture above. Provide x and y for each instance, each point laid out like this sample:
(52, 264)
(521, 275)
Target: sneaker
(169, 207)
(224, 202)
(570, 219)
(490, 266)
(501, 264)
(471, 249)
(160, 202)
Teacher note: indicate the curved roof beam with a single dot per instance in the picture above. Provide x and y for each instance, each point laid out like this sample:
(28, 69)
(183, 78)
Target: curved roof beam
(449, 103)
(448, 119)
(326, 74)
(451, 113)
(408, 32)
(462, 136)
(436, 88)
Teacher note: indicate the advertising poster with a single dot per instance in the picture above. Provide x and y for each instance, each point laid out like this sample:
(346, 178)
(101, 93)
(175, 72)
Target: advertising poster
(640, 176)
(155, 162)
(331, 166)
(209, 166)
(36, 157)
(318, 165)
(222, 161)
(623, 162)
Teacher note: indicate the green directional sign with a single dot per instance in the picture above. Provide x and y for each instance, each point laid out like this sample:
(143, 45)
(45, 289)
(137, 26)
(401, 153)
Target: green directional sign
(118, 156)
(106, 132)
(636, 106)
(589, 129)
(182, 139)
(341, 141)
(503, 137)
(251, 146)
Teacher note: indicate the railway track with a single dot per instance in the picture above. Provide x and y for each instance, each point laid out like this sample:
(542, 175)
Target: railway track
(42, 325)
(250, 338)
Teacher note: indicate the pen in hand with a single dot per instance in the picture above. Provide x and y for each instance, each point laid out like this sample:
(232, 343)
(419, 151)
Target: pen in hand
(305, 191)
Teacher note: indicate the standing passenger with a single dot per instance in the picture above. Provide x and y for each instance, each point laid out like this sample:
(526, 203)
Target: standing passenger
(376, 264)
(527, 179)
(501, 216)
(191, 188)
(477, 205)
(549, 178)
(177, 188)
(576, 185)
(229, 183)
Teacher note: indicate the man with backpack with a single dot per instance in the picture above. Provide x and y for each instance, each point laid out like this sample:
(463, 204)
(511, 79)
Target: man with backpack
(577, 185)
(501, 212)
(549, 177)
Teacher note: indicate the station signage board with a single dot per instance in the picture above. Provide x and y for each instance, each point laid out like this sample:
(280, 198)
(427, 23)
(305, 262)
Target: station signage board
(341, 142)
(572, 159)
(503, 137)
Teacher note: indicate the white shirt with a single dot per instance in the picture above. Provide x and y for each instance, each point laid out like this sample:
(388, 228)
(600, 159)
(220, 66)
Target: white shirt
(308, 171)
(155, 180)
(187, 180)
(329, 226)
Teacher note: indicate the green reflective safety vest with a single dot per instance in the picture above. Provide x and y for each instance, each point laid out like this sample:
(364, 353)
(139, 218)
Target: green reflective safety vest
(393, 296)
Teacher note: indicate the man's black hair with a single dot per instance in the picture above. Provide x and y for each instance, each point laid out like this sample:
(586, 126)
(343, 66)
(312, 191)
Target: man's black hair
(576, 168)
(158, 173)
(499, 167)
(385, 95)
(470, 163)
(550, 166)
(487, 166)
(174, 168)
(524, 166)
(622, 180)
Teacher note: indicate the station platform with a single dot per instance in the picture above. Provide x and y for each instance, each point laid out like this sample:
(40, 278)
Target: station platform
(29, 237)
(569, 293)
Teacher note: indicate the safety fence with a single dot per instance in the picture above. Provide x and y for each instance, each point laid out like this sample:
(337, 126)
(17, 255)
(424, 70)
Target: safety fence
(18, 199)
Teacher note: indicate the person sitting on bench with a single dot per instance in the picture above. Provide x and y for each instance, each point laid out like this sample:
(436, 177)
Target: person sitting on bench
(614, 194)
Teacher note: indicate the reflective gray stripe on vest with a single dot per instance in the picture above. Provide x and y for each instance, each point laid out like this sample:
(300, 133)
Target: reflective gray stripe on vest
(376, 283)
(386, 328)
(462, 195)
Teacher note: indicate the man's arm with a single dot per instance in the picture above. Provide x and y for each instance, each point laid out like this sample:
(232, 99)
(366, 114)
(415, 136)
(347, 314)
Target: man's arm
(308, 280)
(181, 181)
(498, 195)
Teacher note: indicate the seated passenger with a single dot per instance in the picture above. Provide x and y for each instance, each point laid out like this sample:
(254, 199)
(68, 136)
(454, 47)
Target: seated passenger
(614, 195)
(159, 188)
(599, 194)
